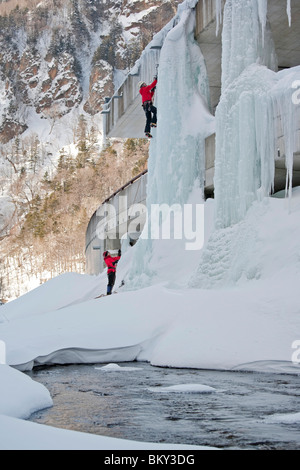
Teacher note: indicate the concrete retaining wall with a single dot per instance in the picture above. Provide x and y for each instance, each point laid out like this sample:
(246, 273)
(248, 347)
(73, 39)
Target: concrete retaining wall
(123, 212)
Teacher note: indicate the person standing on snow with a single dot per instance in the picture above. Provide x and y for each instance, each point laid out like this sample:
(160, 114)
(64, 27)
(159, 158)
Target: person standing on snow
(111, 263)
(147, 93)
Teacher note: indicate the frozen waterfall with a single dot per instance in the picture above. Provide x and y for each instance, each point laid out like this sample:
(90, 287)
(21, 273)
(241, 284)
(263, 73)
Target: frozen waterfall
(257, 109)
(176, 159)
(177, 150)
(251, 104)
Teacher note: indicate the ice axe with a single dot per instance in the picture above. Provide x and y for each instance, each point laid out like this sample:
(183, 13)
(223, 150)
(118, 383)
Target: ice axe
(156, 73)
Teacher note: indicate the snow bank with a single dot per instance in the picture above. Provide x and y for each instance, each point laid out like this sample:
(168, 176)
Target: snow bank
(240, 318)
(20, 396)
(23, 435)
(263, 246)
(90, 331)
(55, 294)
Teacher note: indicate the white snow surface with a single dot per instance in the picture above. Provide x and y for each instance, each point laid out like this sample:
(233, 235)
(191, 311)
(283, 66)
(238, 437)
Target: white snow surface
(250, 324)
(32, 436)
(284, 418)
(112, 367)
(231, 306)
(21, 396)
(184, 388)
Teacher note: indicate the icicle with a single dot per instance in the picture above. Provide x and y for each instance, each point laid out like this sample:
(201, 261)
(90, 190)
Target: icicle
(262, 14)
(242, 39)
(245, 142)
(289, 12)
(263, 9)
(288, 111)
(218, 15)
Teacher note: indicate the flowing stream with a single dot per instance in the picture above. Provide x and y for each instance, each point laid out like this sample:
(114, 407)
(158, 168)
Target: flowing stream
(133, 401)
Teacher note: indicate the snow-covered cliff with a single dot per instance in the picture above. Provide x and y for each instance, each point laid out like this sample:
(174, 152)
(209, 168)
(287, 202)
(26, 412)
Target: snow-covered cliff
(59, 55)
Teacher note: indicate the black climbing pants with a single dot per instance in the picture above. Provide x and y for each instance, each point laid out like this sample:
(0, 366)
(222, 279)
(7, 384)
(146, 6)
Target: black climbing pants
(111, 282)
(151, 114)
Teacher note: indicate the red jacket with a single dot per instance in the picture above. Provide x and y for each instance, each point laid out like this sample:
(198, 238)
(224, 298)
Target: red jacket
(146, 92)
(111, 263)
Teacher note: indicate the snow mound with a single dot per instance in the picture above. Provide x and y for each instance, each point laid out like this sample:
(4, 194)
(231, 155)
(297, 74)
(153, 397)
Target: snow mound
(290, 418)
(184, 388)
(21, 396)
(56, 293)
(116, 368)
(264, 245)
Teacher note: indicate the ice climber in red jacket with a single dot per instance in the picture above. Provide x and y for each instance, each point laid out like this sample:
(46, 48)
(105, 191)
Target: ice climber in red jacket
(111, 263)
(147, 93)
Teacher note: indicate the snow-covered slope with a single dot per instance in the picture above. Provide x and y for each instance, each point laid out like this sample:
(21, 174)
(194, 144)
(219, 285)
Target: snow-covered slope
(252, 322)
(233, 305)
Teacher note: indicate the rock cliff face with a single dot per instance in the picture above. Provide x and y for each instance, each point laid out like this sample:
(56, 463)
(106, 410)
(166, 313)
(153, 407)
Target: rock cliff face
(60, 54)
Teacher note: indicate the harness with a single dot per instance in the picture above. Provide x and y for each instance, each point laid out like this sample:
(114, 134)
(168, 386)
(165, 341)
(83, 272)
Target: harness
(147, 106)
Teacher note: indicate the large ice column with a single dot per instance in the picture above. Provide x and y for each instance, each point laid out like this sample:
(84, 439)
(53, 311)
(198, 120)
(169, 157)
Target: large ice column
(176, 153)
(258, 106)
(246, 38)
(245, 140)
(176, 159)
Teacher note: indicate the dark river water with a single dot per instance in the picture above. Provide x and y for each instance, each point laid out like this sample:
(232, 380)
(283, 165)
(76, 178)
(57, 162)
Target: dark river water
(133, 404)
